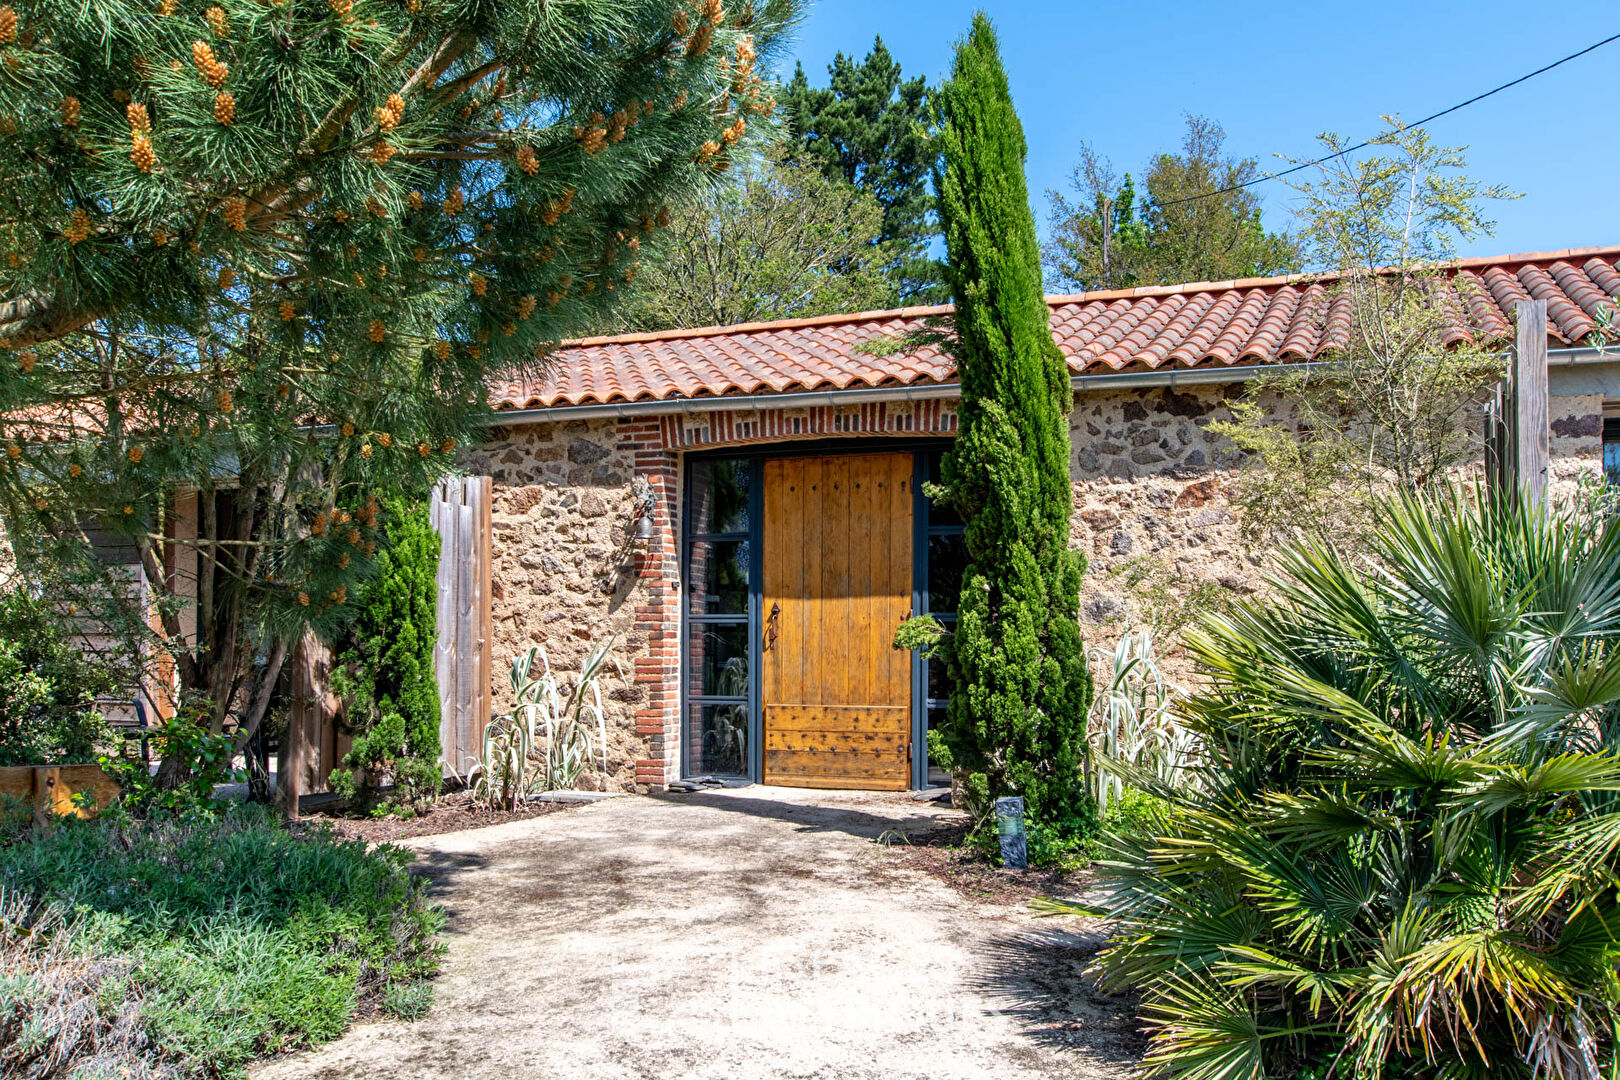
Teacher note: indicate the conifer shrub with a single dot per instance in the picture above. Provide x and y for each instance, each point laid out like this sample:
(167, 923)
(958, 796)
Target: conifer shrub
(48, 689)
(383, 671)
(1019, 686)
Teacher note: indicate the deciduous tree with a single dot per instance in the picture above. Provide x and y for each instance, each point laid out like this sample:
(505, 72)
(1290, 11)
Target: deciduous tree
(782, 241)
(1192, 222)
(1395, 407)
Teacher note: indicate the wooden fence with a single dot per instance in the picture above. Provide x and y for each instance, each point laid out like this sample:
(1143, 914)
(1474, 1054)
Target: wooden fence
(461, 656)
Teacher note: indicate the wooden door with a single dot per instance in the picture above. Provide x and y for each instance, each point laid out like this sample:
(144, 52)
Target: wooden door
(837, 582)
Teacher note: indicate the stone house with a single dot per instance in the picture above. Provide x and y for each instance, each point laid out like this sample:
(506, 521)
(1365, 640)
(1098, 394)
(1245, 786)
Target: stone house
(740, 506)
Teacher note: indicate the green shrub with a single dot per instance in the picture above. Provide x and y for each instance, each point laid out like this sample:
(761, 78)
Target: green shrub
(190, 739)
(239, 938)
(1401, 852)
(48, 689)
(383, 671)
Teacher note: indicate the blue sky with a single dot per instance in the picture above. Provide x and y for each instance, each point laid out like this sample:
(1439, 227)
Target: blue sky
(1121, 75)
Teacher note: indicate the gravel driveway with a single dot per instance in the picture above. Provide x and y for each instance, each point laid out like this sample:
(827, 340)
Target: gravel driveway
(750, 933)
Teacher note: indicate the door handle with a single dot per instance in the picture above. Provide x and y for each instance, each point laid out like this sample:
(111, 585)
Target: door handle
(770, 626)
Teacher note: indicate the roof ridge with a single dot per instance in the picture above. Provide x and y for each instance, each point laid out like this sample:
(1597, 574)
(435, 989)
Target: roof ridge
(1059, 299)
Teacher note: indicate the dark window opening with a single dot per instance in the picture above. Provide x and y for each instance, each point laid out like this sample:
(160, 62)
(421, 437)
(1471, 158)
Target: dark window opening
(944, 558)
(1611, 450)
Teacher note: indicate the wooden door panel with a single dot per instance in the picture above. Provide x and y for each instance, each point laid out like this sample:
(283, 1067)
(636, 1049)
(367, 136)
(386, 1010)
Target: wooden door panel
(837, 555)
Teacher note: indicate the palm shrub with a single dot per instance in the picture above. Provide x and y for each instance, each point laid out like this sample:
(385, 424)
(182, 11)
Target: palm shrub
(1401, 853)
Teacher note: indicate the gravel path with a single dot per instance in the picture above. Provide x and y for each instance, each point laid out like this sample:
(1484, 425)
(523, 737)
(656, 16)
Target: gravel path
(750, 933)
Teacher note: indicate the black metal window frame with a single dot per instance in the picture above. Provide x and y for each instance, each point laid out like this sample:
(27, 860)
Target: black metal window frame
(750, 617)
(922, 529)
(926, 530)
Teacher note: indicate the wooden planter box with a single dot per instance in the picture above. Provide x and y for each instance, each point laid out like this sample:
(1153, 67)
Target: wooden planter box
(50, 788)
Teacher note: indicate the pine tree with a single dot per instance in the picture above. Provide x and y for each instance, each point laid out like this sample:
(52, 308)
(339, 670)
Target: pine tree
(1020, 690)
(871, 128)
(273, 253)
(383, 669)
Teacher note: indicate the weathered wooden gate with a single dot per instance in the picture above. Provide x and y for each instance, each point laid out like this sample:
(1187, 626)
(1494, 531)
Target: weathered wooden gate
(459, 511)
(1517, 437)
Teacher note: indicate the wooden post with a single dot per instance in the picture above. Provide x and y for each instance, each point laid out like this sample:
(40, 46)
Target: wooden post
(444, 646)
(301, 750)
(483, 607)
(460, 513)
(1532, 446)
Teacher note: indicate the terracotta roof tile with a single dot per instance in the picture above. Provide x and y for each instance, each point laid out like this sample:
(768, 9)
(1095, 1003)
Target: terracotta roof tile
(1255, 321)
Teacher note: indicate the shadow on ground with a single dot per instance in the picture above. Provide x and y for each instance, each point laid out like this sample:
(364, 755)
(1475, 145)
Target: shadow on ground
(810, 817)
(1038, 977)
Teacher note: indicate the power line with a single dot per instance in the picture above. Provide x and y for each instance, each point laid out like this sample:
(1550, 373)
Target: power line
(1420, 123)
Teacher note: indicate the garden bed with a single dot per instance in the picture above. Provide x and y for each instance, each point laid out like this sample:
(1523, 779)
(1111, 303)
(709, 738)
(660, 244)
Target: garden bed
(452, 813)
(943, 853)
(183, 949)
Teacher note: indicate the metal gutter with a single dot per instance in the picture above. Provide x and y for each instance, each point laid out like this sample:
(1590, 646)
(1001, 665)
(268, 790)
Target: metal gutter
(1131, 380)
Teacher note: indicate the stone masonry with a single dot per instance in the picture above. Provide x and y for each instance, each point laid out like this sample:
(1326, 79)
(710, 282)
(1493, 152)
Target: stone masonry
(1151, 515)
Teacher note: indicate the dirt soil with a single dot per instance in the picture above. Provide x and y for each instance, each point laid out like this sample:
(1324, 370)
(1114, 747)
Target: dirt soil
(750, 933)
(455, 812)
(941, 852)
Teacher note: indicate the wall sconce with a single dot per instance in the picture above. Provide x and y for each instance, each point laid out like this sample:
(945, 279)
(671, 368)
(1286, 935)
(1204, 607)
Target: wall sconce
(644, 505)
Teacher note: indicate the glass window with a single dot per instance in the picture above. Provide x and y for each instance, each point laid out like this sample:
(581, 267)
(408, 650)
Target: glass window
(947, 558)
(939, 513)
(1611, 450)
(719, 496)
(717, 580)
(717, 660)
(717, 736)
(937, 777)
(939, 683)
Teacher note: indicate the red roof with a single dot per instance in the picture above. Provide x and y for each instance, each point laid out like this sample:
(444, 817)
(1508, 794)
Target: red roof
(1200, 325)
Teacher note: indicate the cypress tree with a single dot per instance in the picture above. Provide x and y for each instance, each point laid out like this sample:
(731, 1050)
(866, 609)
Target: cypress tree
(1019, 684)
(384, 668)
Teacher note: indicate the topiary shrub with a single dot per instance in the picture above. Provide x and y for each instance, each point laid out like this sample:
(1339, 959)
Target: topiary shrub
(383, 671)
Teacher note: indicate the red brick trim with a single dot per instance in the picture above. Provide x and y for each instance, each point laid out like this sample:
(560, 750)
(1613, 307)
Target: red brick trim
(658, 617)
(934, 416)
(654, 445)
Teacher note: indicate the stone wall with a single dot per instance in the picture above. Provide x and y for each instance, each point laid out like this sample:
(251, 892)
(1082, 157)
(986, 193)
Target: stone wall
(569, 574)
(1151, 509)
(1151, 513)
